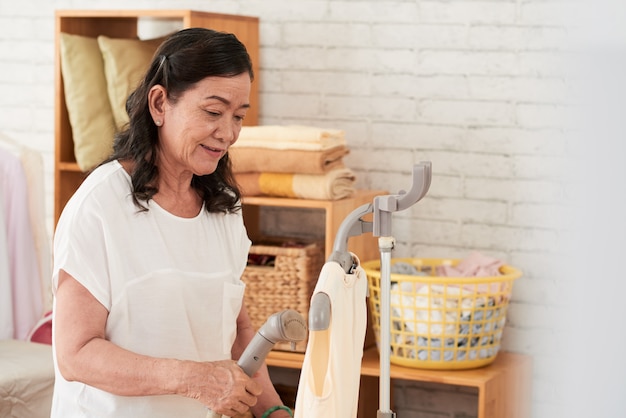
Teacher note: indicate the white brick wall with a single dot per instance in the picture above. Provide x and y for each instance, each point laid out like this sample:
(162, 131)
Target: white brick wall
(476, 87)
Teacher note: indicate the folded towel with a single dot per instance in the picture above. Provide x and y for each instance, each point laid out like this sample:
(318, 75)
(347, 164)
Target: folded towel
(334, 185)
(265, 160)
(290, 137)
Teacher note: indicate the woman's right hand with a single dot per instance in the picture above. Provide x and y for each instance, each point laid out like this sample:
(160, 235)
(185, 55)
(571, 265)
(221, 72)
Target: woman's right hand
(222, 386)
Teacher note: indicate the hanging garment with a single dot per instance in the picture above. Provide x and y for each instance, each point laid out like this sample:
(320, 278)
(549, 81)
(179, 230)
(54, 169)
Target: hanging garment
(32, 161)
(6, 301)
(33, 165)
(330, 377)
(23, 263)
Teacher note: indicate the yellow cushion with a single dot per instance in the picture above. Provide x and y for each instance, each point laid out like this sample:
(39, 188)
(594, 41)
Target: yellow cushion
(125, 62)
(86, 99)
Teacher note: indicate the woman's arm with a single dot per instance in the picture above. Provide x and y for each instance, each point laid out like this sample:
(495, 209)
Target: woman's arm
(84, 355)
(269, 397)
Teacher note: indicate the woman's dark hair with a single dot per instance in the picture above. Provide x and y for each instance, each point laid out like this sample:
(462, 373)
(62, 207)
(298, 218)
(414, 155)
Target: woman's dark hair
(183, 59)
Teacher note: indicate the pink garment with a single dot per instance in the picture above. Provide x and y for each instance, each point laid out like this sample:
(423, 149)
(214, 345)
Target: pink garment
(22, 253)
(6, 300)
(474, 265)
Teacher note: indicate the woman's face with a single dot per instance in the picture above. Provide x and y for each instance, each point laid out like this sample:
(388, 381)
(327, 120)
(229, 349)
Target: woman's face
(202, 124)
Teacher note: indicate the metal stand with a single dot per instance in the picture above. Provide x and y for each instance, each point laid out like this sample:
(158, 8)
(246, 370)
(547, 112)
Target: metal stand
(354, 225)
(385, 244)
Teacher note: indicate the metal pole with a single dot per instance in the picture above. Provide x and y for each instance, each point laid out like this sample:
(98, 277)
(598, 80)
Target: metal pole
(385, 245)
(383, 208)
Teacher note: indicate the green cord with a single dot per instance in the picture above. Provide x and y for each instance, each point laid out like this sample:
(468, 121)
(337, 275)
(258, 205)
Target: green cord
(267, 413)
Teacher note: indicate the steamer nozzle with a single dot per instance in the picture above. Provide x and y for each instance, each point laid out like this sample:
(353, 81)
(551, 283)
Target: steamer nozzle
(285, 326)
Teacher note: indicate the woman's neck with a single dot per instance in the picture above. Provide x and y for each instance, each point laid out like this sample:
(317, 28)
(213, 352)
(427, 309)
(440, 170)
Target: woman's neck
(178, 197)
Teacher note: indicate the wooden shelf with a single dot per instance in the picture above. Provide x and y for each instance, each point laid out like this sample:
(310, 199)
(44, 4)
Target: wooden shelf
(335, 211)
(503, 386)
(285, 359)
(69, 167)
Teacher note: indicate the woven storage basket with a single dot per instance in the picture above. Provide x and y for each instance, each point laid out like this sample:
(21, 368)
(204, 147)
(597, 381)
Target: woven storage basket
(287, 284)
(443, 323)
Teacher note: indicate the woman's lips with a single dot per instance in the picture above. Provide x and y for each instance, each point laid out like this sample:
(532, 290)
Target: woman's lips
(215, 151)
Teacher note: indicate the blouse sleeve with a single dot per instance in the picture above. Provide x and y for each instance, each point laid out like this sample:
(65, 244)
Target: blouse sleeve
(79, 249)
(240, 245)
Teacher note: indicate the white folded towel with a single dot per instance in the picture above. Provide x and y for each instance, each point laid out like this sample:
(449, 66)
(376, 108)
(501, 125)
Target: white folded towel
(295, 137)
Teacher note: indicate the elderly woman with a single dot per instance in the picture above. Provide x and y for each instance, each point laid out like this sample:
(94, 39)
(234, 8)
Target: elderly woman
(149, 252)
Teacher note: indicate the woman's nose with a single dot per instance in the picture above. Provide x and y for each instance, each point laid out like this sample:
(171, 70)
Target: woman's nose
(226, 131)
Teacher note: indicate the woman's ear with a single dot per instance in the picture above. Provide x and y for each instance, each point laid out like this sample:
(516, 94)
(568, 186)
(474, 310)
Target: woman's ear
(156, 103)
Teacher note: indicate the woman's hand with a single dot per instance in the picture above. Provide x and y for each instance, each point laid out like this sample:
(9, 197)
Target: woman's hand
(222, 386)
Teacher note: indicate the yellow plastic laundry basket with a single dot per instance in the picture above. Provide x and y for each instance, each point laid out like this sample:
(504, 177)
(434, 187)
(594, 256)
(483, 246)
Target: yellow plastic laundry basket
(443, 323)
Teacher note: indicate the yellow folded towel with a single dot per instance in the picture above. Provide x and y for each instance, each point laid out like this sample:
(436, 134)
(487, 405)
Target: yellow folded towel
(296, 137)
(266, 160)
(334, 185)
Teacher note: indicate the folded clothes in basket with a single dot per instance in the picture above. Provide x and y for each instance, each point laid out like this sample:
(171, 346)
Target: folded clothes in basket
(474, 265)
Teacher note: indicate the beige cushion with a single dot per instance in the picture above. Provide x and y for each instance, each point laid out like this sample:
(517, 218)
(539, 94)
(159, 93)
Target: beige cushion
(86, 99)
(26, 379)
(125, 63)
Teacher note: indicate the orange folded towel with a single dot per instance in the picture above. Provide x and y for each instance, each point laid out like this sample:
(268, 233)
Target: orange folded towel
(266, 160)
(334, 185)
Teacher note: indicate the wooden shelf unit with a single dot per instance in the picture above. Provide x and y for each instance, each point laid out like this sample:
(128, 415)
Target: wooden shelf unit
(124, 24)
(503, 386)
(334, 211)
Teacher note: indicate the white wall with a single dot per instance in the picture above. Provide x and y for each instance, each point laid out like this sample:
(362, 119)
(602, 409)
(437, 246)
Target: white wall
(476, 87)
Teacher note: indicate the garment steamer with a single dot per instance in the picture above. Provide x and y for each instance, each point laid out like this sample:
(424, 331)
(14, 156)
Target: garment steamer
(382, 209)
(285, 326)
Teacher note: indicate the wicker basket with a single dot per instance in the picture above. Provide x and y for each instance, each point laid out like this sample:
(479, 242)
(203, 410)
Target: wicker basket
(286, 284)
(443, 323)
